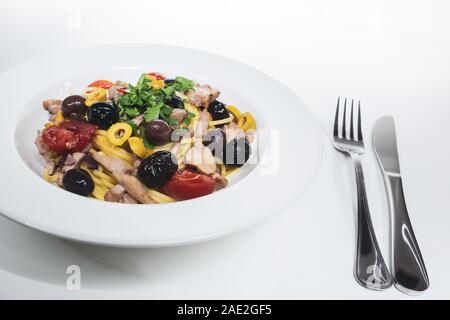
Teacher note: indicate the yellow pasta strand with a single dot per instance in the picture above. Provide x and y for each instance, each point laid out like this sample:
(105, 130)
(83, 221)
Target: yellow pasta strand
(99, 192)
(104, 176)
(247, 122)
(104, 145)
(97, 181)
(108, 184)
(230, 172)
(193, 109)
(183, 150)
(167, 147)
(160, 197)
(101, 132)
(102, 181)
(218, 122)
(234, 111)
(223, 169)
(49, 178)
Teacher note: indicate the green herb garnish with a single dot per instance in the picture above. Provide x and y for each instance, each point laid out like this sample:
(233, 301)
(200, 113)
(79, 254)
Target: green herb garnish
(187, 120)
(132, 112)
(142, 98)
(152, 113)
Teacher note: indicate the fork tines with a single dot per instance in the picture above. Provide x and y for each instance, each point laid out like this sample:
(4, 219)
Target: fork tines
(343, 133)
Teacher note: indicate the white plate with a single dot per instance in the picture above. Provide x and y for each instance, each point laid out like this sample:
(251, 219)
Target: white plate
(284, 169)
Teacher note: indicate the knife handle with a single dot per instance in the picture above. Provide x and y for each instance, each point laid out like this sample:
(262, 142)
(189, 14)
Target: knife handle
(408, 268)
(370, 269)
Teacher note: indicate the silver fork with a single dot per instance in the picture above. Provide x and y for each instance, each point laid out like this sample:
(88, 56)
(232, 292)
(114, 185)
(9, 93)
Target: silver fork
(370, 269)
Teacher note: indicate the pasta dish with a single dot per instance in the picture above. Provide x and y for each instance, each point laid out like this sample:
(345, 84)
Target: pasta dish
(159, 140)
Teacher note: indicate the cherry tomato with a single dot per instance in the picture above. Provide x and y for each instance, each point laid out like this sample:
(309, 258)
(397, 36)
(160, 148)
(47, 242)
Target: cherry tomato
(68, 136)
(158, 76)
(105, 84)
(188, 185)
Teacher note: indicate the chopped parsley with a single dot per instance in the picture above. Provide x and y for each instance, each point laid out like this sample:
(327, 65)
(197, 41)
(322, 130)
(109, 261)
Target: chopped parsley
(188, 118)
(144, 99)
(152, 113)
(132, 112)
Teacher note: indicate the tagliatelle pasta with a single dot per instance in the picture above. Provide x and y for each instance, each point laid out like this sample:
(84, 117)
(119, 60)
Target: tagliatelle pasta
(219, 122)
(103, 144)
(160, 197)
(103, 182)
(157, 141)
(49, 178)
(227, 172)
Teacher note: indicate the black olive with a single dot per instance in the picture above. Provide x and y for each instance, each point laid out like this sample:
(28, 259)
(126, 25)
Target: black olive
(215, 140)
(237, 152)
(175, 102)
(103, 114)
(78, 181)
(74, 107)
(169, 81)
(157, 168)
(218, 110)
(158, 132)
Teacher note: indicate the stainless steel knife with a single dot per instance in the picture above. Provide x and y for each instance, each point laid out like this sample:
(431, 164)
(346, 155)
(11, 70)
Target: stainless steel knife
(408, 268)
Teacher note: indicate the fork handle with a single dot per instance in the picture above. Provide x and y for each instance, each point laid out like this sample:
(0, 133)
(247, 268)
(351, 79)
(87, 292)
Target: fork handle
(370, 269)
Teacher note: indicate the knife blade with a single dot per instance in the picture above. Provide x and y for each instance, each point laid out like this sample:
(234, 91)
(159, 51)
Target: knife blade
(408, 268)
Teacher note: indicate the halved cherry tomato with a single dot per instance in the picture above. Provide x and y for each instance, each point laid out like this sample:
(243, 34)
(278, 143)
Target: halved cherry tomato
(105, 84)
(158, 76)
(68, 136)
(188, 185)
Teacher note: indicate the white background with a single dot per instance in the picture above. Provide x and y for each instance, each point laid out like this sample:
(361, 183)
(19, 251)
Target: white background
(393, 55)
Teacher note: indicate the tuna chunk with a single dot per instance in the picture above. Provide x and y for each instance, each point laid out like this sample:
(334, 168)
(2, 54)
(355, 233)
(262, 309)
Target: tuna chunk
(115, 194)
(201, 158)
(73, 161)
(178, 114)
(134, 187)
(129, 199)
(202, 125)
(232, 131)
(119, 194)
(221, 182)
(114, 165)
(42, 147)
(52, 105)
(202, 95)
(121, 171)
(50, 166)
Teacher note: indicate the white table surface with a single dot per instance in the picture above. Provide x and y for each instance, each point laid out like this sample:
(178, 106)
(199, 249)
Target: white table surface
(393, 55)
